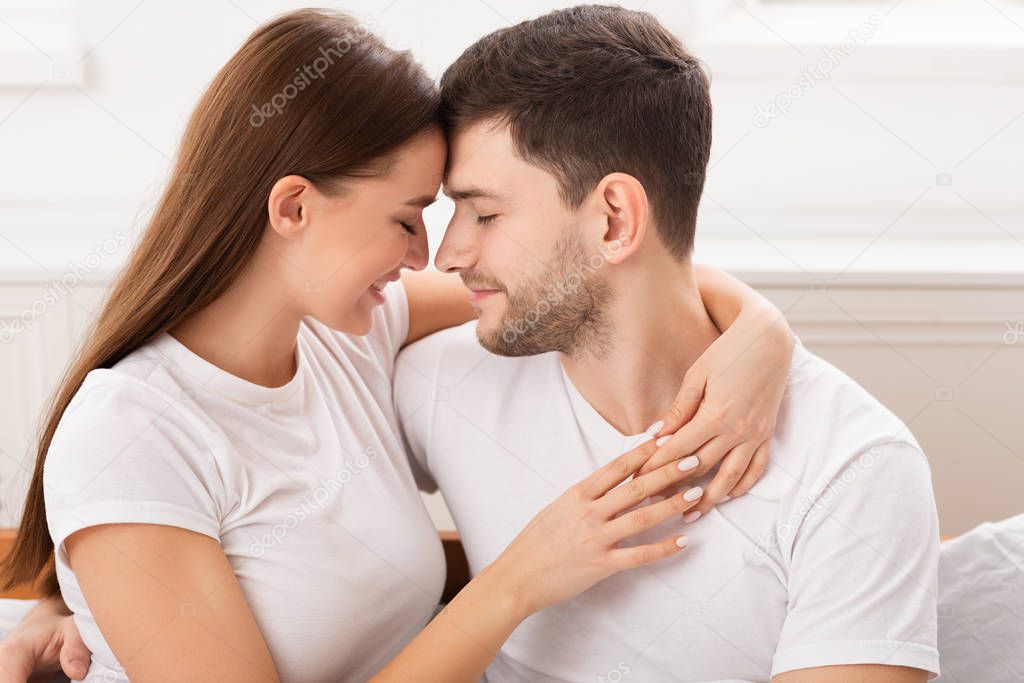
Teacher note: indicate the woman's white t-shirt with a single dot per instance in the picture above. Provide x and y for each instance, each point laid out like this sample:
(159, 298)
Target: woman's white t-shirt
(306, 487)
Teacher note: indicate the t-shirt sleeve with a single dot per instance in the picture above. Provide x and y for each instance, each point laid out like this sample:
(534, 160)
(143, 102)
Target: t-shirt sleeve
(863, 569)
(390, 326)
(415, 395)
(125, 453)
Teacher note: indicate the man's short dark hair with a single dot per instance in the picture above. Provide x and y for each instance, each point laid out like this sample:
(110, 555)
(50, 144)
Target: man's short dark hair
(589, 91)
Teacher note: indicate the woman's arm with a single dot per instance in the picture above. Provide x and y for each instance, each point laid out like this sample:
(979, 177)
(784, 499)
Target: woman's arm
(726, 409)
(436, 301)
(171, 609)
(169, 604)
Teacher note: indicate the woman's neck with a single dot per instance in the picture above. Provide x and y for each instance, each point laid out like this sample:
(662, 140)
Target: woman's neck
(250, 331)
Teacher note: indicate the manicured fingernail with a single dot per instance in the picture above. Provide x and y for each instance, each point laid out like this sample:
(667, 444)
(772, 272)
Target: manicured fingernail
(725, 498)
(688, 463)
(663, 440)
(655, 428)
(693, 494)
(691, 516)
(682, 541)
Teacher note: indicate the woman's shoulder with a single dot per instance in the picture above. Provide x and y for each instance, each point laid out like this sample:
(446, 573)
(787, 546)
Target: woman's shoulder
(138, 385)
(132, 407)
(124, 438)
(126, 450)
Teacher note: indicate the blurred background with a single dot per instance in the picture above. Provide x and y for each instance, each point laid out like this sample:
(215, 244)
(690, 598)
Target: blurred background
(866, 175)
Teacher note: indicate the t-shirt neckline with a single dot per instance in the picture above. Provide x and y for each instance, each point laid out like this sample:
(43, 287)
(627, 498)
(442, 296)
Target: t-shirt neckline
(598, 431)
(204, 375)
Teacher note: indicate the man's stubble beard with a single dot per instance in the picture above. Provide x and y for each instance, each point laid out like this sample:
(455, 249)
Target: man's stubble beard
(563, 308)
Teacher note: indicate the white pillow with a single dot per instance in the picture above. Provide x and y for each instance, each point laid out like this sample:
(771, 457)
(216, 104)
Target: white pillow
(981, 604)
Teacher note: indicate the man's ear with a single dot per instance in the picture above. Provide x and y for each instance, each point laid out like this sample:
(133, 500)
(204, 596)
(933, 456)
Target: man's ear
(623, 201)
(288, 205)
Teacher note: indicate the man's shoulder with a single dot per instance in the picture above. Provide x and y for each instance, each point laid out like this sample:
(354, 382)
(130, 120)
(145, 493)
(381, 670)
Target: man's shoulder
(447, 383)
(838, 449)
(447, 357)
(461, 338)
(827, 422)
(823, 399)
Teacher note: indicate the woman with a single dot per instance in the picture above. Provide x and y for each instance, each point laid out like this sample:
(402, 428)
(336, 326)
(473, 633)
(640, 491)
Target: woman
(221, 482)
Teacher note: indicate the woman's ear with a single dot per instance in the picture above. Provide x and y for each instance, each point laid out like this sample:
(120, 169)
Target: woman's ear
(288, 205)
(624, 204)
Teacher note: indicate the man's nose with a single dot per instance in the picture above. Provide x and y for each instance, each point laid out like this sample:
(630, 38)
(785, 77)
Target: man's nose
(456, 253)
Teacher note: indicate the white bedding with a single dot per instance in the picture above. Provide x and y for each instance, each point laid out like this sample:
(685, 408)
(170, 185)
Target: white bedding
(981, 604)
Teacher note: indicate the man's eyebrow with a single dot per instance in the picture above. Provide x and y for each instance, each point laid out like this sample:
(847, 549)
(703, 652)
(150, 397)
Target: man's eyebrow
(471, 193)
(422, 202)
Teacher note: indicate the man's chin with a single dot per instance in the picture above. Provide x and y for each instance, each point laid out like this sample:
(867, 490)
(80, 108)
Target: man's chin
(488, 334)
(489, 331)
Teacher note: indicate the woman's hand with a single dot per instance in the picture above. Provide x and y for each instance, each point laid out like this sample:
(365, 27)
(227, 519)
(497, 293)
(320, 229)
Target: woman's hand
(568, 547)
(46, 641)
(725, 411)
(573, 543)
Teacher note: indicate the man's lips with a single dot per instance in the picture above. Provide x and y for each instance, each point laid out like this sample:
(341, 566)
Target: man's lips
(476, 295)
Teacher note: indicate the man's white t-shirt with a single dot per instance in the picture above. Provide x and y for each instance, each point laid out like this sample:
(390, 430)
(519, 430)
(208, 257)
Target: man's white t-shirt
(307, 487)
(830, 559)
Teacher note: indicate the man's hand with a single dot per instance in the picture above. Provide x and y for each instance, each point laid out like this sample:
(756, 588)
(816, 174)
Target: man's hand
(45, 642)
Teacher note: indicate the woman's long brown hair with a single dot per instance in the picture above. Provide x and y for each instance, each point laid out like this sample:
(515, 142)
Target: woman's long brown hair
(312, 93)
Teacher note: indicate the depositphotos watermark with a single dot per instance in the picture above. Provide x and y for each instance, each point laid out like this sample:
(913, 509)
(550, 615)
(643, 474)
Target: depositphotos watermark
(307, 73)
(615, 674)
(310, 504)
(1014, 332)
(820, 70)
(60, 287)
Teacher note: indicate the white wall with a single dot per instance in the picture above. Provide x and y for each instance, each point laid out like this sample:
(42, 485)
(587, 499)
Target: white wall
(860, 147)
(886, 205)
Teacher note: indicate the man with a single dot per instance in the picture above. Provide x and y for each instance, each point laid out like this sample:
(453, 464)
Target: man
(579, 143)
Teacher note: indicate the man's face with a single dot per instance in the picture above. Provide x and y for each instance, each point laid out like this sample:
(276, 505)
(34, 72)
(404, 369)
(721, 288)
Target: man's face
(531, 263)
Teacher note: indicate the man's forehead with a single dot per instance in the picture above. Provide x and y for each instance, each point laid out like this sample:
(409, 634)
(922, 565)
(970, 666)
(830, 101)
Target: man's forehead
(481, 162)
(484, 164)
(479, 144)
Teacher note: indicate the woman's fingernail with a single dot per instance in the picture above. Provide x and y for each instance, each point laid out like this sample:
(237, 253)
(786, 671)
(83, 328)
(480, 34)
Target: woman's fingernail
(682, 541)
(691, 516)
(688, 463)
(655, 428)
(663, 440)
(725, 498)
(693, 494)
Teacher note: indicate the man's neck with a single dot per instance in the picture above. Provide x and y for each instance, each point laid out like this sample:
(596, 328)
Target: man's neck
(658, 328)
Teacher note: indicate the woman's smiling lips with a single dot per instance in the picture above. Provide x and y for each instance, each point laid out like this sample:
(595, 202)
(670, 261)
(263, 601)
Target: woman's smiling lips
(377, 288)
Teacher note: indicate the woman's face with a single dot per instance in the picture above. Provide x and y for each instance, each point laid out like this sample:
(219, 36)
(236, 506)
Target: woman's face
(357, 242)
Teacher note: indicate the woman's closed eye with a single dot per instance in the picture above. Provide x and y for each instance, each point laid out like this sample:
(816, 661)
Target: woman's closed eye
(484, 220)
